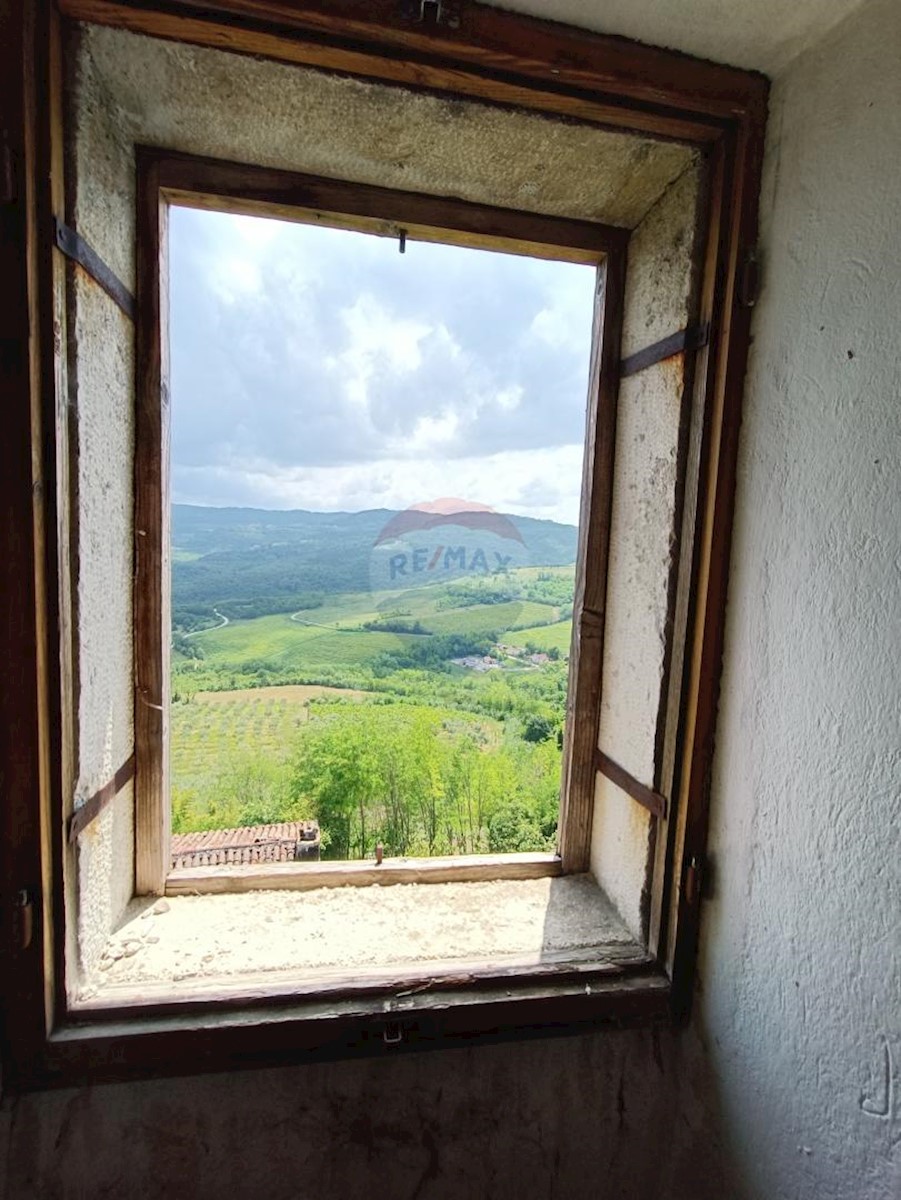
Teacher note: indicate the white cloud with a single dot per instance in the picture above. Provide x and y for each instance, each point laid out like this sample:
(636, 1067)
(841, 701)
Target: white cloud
(508, 399)
(561, 324)
(235, 277)
(320, 369)
(378, 342)
(376, 333)
(429, 435)
(256, 232)
(536, 483)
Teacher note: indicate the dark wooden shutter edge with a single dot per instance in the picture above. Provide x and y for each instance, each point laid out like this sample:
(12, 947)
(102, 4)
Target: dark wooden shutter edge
(690, 338)
(74, 246)
(94, 805)
(639, 792)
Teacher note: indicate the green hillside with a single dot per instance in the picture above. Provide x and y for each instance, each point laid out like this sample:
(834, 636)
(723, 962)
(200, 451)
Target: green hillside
(490, 618)
(248, 563)
(279, 643)
(544, 637)
(432, 738)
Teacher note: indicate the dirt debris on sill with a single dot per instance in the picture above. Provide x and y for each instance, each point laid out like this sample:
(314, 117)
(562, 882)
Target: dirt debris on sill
(187, 938)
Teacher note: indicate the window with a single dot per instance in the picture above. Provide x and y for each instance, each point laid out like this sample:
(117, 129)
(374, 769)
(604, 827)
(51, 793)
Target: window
(375, 480)
(343, 746)
(660, 452)
(530, 243)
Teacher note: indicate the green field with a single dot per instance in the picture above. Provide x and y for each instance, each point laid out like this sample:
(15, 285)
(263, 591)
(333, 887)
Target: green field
(545, 637)
(332, 634)
(228, 748)
(236, 757)
(490, 618)
(409, 748)
(417, 778)
(214, 725)
(281, 642)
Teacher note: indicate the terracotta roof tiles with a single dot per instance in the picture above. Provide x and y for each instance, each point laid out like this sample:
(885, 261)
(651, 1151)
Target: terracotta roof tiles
(249, 844)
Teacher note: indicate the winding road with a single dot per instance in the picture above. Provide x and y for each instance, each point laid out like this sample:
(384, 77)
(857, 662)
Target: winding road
(223, 621)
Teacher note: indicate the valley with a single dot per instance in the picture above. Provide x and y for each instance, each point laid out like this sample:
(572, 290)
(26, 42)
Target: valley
(427, 717)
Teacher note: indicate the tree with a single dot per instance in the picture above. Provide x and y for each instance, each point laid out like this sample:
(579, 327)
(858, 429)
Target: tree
(337, 771)
(422, 780)
(538, 728)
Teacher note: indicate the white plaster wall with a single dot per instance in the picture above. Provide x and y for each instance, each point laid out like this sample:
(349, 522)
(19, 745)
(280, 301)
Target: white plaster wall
(641, 531)
(659, 279)
(800, 973)
(762, 36)
(103, 374)
(100, 175)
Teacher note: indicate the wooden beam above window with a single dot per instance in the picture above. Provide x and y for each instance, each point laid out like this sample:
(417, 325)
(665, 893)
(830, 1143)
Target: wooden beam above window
(386, 212)
(490, 54)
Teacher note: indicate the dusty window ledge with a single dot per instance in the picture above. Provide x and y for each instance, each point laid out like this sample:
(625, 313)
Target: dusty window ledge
(426, 983)
(397, 940)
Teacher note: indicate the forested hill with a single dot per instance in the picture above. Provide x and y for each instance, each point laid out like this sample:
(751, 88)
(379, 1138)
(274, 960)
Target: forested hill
(261, 560)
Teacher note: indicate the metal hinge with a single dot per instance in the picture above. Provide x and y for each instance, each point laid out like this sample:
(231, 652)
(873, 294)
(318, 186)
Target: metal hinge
(749, 279)
(431, 12)
(694, 879)
(7, 171)
(25, 913)
(393, 1033)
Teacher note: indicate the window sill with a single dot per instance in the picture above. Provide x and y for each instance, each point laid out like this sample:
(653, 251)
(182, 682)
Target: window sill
(343, 941)
(566, 967)
(277, 1032)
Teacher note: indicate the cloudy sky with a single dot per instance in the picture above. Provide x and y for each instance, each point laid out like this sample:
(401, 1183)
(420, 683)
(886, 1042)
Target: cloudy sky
(321, 369)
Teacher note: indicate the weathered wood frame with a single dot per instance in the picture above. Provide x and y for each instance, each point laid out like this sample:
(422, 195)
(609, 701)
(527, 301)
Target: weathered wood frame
(289, 876)
(496, 56)
(166, 178)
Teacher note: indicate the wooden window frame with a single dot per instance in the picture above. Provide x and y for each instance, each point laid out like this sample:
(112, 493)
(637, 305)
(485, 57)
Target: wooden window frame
(165, 178)
(492, 55)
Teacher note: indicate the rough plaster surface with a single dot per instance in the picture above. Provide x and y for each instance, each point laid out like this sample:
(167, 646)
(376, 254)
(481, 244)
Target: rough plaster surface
(763, 36)
(188, 939)
(641, 533)
(101, 177)
(778, 1092)
(105, 876)
(660, 269)
(619, 850)
(103, 374)
(634, 639)
(105, 369)
(231, 106)
(801, 946)
(658, 302)
(537, 1120)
